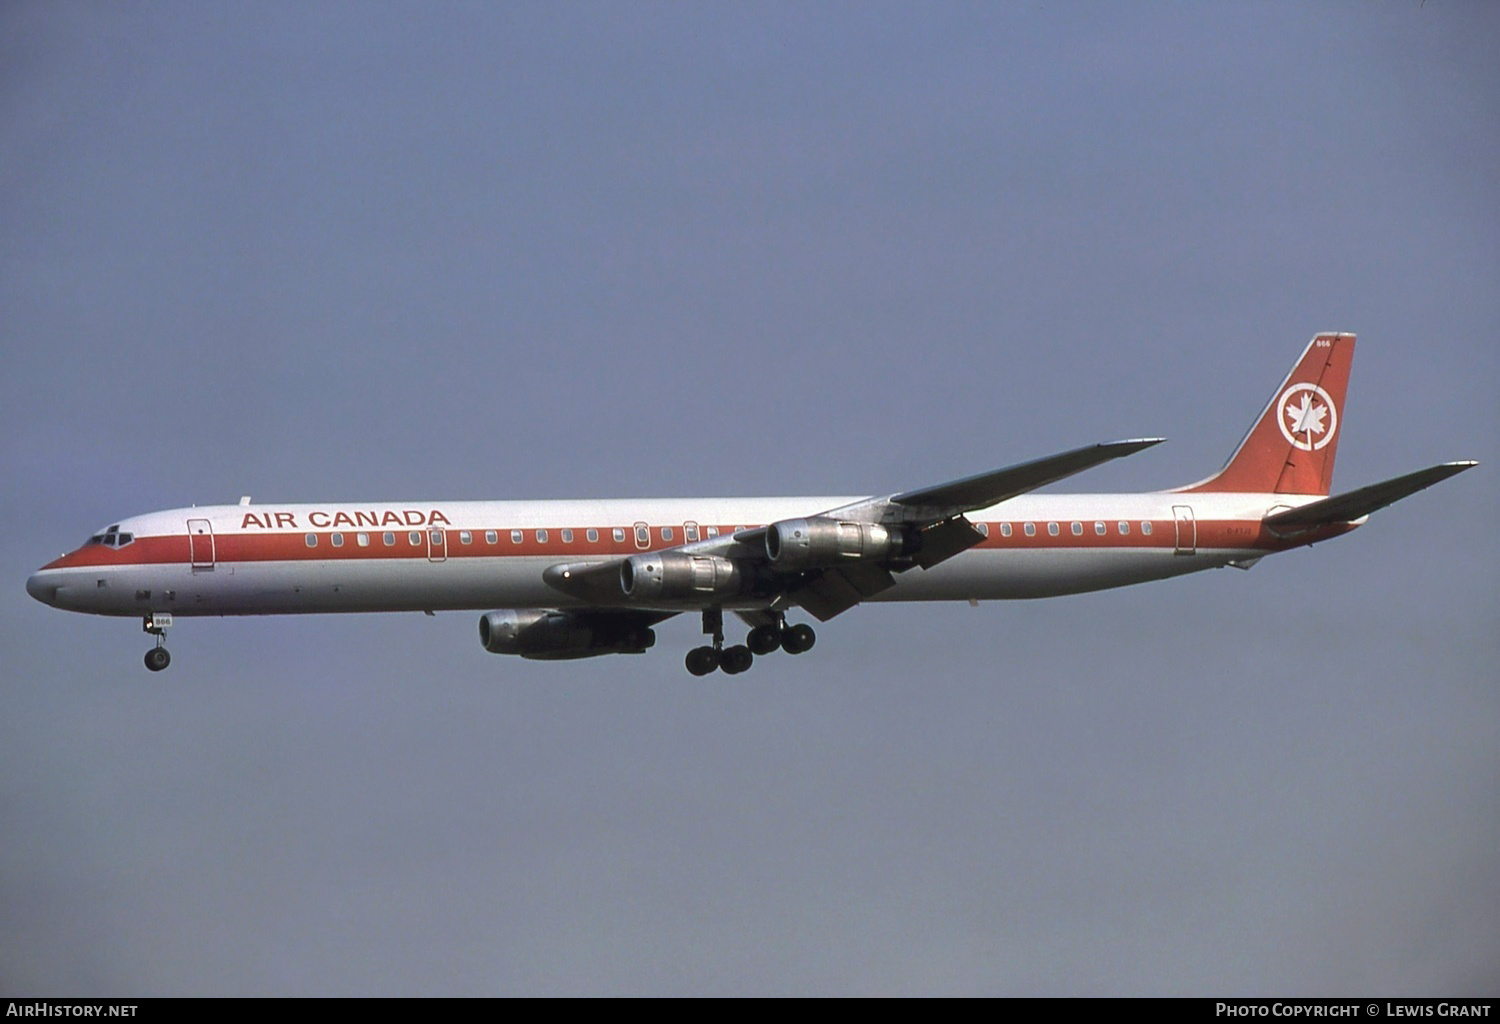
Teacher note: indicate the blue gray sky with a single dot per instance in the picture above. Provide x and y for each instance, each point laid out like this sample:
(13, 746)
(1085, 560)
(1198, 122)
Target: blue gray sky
(345, 251)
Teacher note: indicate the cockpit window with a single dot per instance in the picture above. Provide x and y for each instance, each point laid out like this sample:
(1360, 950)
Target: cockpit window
(112, 537)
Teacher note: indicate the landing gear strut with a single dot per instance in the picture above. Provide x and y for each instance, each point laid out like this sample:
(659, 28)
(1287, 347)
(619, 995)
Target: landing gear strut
(762, 640)
(156, 624)
(703, 660)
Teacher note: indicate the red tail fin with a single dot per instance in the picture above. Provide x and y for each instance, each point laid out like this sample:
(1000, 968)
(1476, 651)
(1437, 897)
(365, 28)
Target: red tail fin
(1290, 448)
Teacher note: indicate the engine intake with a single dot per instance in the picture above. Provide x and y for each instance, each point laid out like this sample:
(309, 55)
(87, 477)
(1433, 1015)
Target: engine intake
(819, 543)
(678, 576)
(554, 636)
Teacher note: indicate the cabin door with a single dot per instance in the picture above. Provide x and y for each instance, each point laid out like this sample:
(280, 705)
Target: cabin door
(201, 544)
(1187, 530)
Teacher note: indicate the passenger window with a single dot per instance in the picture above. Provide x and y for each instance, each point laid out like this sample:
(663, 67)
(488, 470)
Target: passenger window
(436, 536)
(593, 536)
(983, 528)
(1030, 529)
(642, 536)
(1078, 529)
(618, 534)
(515, 536)
(541, 536)
(567, 536)
(1005, 529)
(1100, 529)
(1052, 529)
(389, 538)
(1123, 527)
(491, 537)
(312, 540)
(465, 537)
(362, 539)
(713, 531)
(337, 539)
(666, 533)
(690, 533)
(1146, 527)
(415, 538)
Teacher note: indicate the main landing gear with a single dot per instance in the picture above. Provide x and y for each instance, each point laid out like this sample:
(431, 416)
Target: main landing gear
(156, 624)
(762, 640)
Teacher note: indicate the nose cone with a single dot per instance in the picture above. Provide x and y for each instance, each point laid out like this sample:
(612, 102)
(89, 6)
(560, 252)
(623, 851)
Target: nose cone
(41, 587)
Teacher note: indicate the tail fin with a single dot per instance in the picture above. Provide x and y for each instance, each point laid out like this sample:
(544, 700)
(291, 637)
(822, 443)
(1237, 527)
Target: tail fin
(1290, 448)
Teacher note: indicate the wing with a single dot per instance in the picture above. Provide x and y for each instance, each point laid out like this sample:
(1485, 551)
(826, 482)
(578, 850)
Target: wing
(934, 522)
(832, 560)
(986, 489)
(1345, 508)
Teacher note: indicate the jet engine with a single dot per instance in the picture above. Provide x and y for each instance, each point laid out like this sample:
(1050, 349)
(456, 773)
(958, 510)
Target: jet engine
(555, 636)
(678, 576)
(819, 543)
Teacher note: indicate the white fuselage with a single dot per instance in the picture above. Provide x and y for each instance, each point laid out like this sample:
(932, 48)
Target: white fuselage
(430, 556)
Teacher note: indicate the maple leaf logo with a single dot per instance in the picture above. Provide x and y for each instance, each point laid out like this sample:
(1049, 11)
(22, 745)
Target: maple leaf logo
(1307, 417)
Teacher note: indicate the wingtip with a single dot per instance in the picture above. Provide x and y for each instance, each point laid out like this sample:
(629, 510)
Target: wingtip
(1137, 443)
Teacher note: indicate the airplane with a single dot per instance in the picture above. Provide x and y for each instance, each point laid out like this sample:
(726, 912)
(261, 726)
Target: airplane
(578, 579)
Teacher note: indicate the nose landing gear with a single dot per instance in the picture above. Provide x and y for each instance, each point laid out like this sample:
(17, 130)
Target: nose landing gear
(156, 624)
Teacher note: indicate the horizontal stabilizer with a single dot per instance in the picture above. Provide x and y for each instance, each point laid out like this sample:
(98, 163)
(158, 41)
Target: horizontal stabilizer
(987, 489)
(1345, 508)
